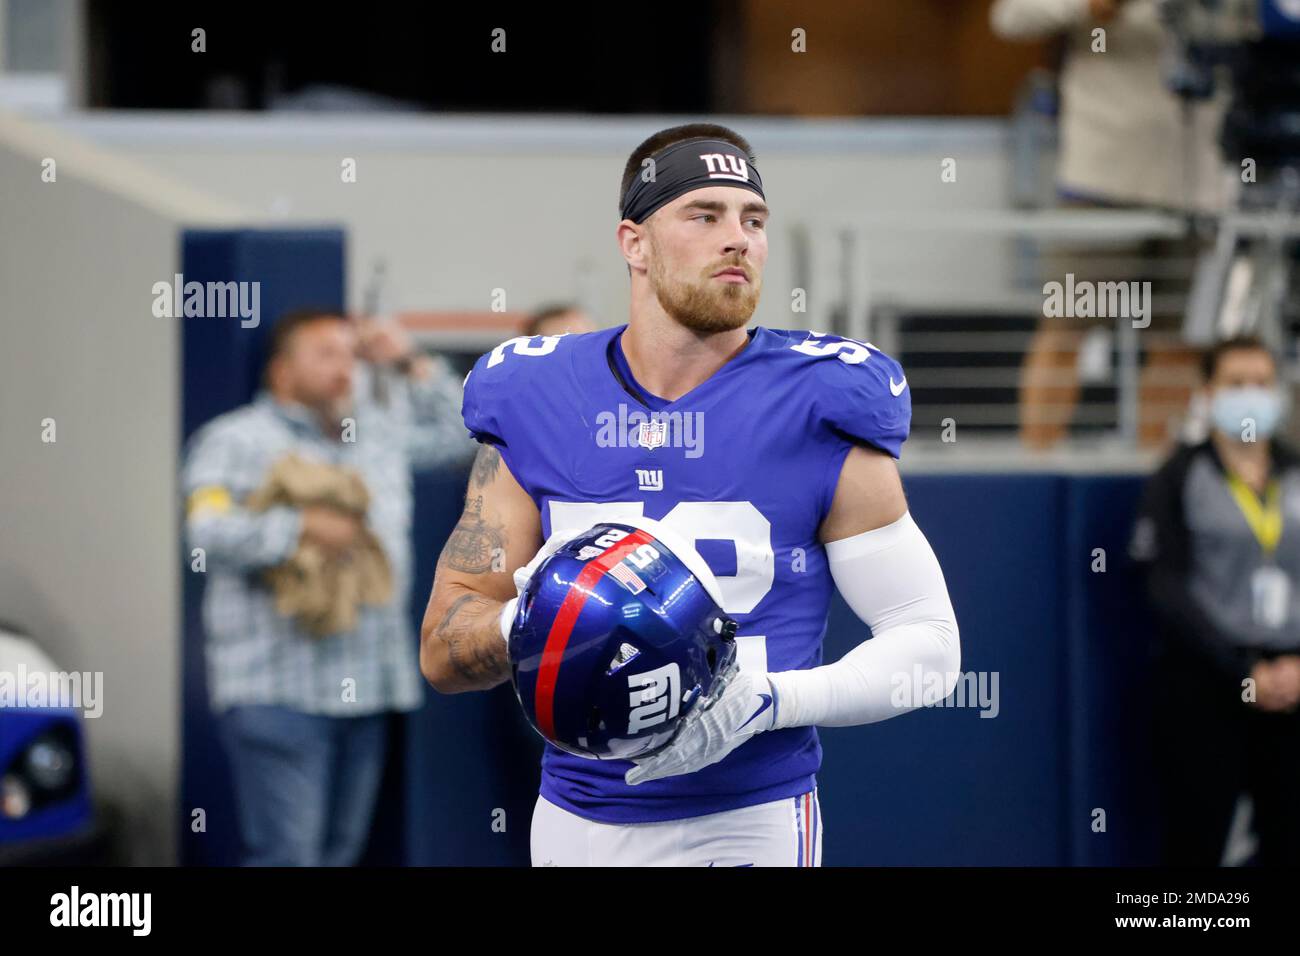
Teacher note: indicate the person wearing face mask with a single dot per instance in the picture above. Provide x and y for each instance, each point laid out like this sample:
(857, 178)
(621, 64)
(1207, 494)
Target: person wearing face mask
(1218, 536)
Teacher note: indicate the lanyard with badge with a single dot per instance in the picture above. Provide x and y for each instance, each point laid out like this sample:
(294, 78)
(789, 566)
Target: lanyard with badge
(1270, 587)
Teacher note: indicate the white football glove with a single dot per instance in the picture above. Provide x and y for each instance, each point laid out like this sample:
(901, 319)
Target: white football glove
(745, 706)
(523, 575)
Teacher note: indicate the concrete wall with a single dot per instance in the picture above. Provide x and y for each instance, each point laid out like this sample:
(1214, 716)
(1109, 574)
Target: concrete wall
(462, 206)
(89, 554)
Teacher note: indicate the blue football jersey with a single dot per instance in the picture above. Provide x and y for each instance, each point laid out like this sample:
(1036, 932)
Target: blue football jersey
(745, 466)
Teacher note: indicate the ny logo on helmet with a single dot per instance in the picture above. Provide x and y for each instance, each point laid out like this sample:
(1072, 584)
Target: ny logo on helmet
(654, 697)
(726, 166)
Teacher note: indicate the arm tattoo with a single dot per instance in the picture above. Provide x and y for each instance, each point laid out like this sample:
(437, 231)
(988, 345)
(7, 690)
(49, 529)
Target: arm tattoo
(476, 546)
(486, 464)
(474, 645)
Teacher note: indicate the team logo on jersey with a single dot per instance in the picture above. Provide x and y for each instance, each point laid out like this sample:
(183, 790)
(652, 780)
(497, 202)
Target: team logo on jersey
(652, 434)
(649, 479)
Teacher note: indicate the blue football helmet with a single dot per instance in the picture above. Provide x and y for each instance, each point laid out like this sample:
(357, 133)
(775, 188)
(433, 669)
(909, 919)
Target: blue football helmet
(616, 637)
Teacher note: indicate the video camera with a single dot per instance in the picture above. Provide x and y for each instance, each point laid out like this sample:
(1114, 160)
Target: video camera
(1255, 44)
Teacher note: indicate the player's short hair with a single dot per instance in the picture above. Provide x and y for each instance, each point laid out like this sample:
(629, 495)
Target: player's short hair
(547, 312)
(1214, 354)
(677, 134)
(283, 331)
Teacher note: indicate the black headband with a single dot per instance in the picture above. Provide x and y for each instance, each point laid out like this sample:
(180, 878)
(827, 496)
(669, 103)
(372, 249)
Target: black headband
(681, 167)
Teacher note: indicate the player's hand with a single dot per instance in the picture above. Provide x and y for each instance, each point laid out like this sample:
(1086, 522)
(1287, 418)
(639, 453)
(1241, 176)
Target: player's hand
(523, 575)
(745, 706)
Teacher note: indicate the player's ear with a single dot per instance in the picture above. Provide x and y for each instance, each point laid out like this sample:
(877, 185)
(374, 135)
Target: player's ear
(632, 243)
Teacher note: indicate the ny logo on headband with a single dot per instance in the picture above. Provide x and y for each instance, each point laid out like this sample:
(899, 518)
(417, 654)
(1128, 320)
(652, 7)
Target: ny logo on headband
(726, 166)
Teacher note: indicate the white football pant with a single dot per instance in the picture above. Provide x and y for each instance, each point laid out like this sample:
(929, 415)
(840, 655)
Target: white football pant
(786, 832)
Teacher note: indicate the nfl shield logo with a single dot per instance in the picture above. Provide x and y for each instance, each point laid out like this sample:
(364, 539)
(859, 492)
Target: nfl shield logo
(652, 434)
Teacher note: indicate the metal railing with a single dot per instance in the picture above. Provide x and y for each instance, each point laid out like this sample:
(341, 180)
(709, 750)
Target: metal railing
(963, 337)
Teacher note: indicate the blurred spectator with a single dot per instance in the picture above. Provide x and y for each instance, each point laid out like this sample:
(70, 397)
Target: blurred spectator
(302, 708)
(1219, 537)
(557, 320)
(1126, 142)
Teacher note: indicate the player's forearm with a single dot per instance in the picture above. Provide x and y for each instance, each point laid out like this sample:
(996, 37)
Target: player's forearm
(893, 582)
(461, 647)
(874, 681)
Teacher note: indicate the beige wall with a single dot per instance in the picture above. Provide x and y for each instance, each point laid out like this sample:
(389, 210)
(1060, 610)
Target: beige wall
(88, 524)
(462, 206)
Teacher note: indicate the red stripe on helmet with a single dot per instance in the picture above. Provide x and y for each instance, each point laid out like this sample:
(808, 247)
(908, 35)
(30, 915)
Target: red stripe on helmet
(548, 671)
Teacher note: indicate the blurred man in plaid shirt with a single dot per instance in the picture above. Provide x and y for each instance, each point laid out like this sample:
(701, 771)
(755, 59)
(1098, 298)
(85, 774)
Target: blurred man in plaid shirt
(302, 715)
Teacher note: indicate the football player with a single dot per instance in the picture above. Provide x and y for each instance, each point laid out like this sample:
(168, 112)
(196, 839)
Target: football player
(771, 453)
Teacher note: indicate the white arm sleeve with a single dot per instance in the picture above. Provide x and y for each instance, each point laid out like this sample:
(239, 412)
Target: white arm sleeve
(891, 579)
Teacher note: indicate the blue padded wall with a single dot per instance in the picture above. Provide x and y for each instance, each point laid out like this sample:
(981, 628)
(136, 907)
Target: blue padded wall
(220, 365)
(943, 786)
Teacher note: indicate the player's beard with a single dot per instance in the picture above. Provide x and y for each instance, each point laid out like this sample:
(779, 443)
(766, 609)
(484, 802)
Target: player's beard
(707, 305)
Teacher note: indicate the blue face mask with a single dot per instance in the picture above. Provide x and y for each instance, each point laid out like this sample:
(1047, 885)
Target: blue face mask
(1234, 408)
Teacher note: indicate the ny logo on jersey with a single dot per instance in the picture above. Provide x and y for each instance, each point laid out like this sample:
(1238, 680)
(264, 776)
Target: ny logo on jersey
(649, 479)
(724, 166)
(654, 697)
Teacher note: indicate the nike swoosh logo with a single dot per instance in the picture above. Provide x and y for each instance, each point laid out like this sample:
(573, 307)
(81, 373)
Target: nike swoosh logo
(897, 389)
(767, 702)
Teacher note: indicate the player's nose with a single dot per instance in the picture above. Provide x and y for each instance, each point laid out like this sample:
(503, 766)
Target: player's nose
(736, 240)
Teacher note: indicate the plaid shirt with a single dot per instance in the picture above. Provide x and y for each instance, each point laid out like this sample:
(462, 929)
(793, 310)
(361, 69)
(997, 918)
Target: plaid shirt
(256, 656)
